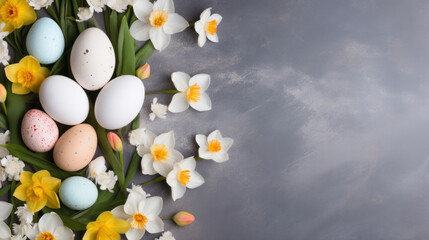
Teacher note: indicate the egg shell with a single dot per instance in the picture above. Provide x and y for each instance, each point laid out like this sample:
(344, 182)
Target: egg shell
(45, 41)
(78, 193)
(119, 102)
(92, 59)
(39, 132)
(64, 100)
(75, 148)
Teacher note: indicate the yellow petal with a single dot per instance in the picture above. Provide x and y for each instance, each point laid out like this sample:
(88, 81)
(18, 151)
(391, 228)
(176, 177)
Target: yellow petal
(53, 201)
(44, 71)
(105, 216)
(51, 183)
(19, 89)
(37, 205)
(118, 225)
(21, 192)
(25, 177)
(11, 71)
(90, 234)
(38, 176)
(107, 233)
(26, 13)
(30, 63)
(8, 27)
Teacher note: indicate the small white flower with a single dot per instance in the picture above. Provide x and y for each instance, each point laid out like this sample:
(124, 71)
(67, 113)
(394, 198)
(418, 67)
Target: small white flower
(18, 237)
(24, 214)
(22, 229)
(138, 191)
(142, 213)
(5, 209)
(96, 167)
(107, 180)
(119, 5)
(158, 153)
(214, 146)
(84, 14)
(38, 4)
(166, 236)
(4, 53)
(158, 110)
(141, 136)
(156, 22)
(192, 92)
(13, 167)
(4, 138)
(3, 175)
(98, 5)
(51, 226)
(206, 27)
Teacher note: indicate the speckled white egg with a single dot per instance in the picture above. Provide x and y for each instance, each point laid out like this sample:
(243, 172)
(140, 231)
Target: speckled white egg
(78, 193)
(45, 41)
(92, 59)
(64, 100)
(39, 132)
(119, 102)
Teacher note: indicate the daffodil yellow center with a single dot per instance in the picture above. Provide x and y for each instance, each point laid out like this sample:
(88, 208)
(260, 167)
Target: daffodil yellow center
(214, 146)
(139, 221)
(35, 193)
(194, 93)
(160, 152)
(211, 27)
(45, 236)
(158, 18)
(12, 11)
(25, 78)
(184, 177)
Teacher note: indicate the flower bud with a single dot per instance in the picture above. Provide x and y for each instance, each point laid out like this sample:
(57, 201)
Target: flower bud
(3, 93)
(115, 141)
(183, 218)
(143, 72)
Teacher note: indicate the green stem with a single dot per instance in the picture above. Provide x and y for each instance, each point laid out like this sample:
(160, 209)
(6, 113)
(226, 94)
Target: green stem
(167, 218)
(197, 158)
(4, 108)
(191, 24)
(12, 200)
(164, 91)
(158, 179)
(121, 158)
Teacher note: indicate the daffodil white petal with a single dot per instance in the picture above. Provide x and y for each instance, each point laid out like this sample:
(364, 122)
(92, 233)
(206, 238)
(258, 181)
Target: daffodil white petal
(201, 140)
(4, 231)
(166, 138)
(154, 224)
(119, 212)
(202, 79)
(134, 234)
(142, 150)
(5, 209)
(162, 168)
(179, 103)
(204, 153)
(227, 143)
(63, 233)
(49, 222)
(188, 163)
(178, 191)
(141, 136)
(166, 5)
(147, 164)
(213, 38)
(216, 17)
(175, 24)
(204, 104)
(171, 178)
(180, 80)
(153, 206)
(215, 135)
(140, 30)
(220, 157)
(199, 27)
(195, 180)
(202, 39)
(205, 15)
(159, 38)
(132, 204)
(142, 9)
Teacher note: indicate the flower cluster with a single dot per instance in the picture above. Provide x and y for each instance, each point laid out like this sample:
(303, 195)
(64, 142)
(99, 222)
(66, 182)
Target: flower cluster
(97, 171)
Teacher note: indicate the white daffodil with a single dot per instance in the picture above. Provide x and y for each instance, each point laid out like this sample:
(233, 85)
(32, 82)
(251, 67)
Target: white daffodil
(206, 27)
(39, 4)
(214, 146)
(142, 213)
(24, 214)
(158, 153)
(119, 5)
(156, 22)
(96, 167)
(4, 138)
(166, 236)
(84, 14)
(13, 167)
(98, 5)
(51, 226)
(138, 191)
(141, 136)
(183, 176)
(22, 229)
(5, 209)
(107, 180)
(158, 110)
(4, 53)
(192, 92)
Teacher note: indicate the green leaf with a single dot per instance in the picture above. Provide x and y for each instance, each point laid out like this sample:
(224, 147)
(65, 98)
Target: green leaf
(16, 110)
(3, 122)
(136, 122)
(59, 65)
(113, 31)
(144, 53)
(126, 50)
(132, 168)
(4, 190)
(73, 224)
(80, 25)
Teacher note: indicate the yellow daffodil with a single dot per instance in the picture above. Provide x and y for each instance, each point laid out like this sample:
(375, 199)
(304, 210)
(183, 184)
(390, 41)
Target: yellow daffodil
(38, 190)
(26, 76)
(15, 14)
(106, 227)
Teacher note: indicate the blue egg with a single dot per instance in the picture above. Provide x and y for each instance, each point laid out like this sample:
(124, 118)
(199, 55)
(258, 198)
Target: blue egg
(78, 193)
(45, 41)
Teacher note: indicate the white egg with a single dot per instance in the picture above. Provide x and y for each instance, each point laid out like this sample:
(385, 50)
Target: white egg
(64, 100)
(92, 59)
(119, 102)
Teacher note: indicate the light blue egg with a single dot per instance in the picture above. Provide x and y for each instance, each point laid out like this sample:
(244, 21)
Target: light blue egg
(45, 41)
(78, 193)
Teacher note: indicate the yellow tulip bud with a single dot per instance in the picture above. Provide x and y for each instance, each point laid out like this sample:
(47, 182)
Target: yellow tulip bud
(3, 93)
(143, 72)
(183, 218)
(115, 141)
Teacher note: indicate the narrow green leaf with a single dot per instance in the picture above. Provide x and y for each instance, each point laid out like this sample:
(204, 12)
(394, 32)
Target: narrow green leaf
(4, 190)
(132, 168)
(3, 122)
(16, 110)
(80, 25)
(113, 31)
(136, 122)
(120, 49)
(73, 224)
(144, 53)
(128, 49)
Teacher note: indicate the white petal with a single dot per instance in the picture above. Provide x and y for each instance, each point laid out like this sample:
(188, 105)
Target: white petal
(171, 177)
(202, 39)
(195, 180)
(175, 24)
(140, 30)
(63, 233)
(215, 135)
(134, 234)
(227, 143)
(119, 212)
(142, 9)
(178, 191)
(166, 5)
(199, 27)
(188, 164)
(4, 231)
(142, 150)
(204, 104)
(204, 153)
(213, 38)
(201, 140)
(159, 38)
(179, 103)
(49, 221)
(216, 17)
(5, 209)
(166, 138)
(205, 15)
(155, 224)
(220, 157)
(141, 136)
(162, 168)
(180, 80)
(132, 204)
(202, 79)
(153, 206)
(147, 164)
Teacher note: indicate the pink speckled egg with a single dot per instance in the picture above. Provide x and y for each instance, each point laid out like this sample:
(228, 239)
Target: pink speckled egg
(39, 132)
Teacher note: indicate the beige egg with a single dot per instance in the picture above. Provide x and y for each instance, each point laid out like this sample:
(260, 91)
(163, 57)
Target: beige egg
(75, 148)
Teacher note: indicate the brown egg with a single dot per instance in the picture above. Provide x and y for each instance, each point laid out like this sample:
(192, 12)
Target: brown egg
(75, 148)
